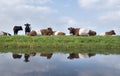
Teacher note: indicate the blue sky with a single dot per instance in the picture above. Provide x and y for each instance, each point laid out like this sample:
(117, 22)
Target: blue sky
(98, 15)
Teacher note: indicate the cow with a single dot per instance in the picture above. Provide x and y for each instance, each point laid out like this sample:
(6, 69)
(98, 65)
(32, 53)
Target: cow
(16, 29)
(33, 33)
(81, 32)
(111, 32)
(2, 33)
(48, 31)
(41, 32)
(58, 33)
(27, 28)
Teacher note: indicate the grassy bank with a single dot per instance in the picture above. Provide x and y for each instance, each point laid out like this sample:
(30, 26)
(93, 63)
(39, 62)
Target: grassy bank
(92, 44)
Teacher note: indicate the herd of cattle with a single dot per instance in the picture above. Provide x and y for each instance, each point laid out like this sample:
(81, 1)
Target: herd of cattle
(49, 31)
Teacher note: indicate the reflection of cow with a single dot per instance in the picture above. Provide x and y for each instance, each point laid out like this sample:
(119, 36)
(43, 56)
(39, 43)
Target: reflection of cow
(4, 33)
(73, 55)
(16, 29)
(81, 31)
(78, 55)
(16, 56)
(48, 55)
(47, 31)
(26, 56)
(27, 28)
(32, 53)
(58, 33)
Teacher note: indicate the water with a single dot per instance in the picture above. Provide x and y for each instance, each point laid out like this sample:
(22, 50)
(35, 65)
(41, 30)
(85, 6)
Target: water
(59, 64)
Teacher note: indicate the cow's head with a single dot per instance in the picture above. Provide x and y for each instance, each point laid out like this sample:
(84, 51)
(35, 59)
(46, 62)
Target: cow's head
(113, 32)
(27, 25)
(71, 29)
(20, 28)
(92, 33)
(50, 28)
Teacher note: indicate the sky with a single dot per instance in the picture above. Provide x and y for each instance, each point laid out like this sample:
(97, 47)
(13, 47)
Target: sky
(97, 15)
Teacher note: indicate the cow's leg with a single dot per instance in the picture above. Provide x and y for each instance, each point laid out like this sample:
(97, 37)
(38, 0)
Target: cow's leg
(15, 32)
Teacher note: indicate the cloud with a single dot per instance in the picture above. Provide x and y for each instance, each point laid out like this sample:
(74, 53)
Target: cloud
(50, 13)
(69, 21)
(22, 6)
(110, 16)
(37, 2)
(18, 12)
(87, 3)
(99, 3)
(26, 1)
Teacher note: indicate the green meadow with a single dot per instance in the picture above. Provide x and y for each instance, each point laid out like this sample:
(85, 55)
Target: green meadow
(64, 44)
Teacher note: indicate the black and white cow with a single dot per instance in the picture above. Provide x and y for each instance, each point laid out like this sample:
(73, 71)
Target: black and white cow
(16, 29)
(27, 28)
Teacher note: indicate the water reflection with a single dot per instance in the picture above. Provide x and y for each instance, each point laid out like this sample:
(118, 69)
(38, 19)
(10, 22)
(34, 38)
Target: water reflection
(79, 55)
(26, 56)
(16, 56)
(49, 56)
(59, 64)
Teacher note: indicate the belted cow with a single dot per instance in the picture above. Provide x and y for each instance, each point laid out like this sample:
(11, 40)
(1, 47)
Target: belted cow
(2, 33)
(58, 33)
(112, 32)
(81, 31)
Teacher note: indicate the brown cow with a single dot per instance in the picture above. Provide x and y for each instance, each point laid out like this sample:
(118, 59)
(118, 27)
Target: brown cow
(32, 33)
(81, 32)
(46, 31)
(112, 32)
(74, 31)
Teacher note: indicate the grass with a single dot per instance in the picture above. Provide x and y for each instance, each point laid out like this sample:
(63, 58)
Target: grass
(66, 44)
